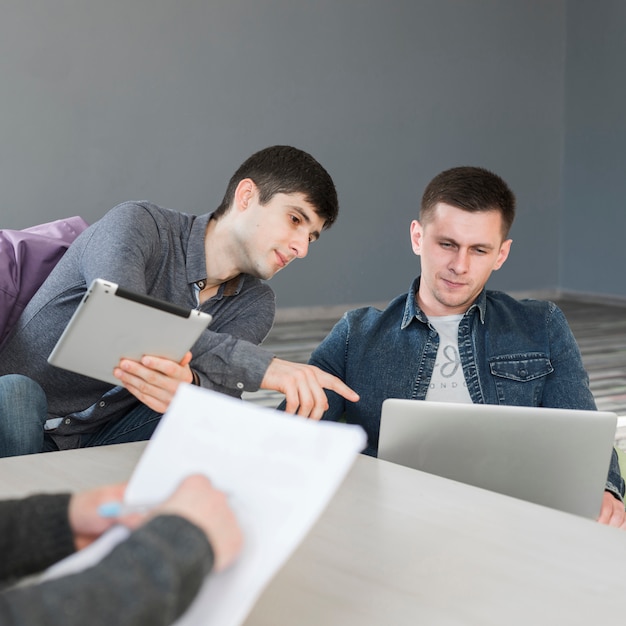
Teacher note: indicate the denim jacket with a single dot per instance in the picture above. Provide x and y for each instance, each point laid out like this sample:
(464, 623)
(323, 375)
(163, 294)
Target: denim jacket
(515, 352)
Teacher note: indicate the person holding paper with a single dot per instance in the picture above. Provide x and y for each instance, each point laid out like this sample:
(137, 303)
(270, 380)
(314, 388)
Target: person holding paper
(449, 338)
(148, 579)
(276, 204)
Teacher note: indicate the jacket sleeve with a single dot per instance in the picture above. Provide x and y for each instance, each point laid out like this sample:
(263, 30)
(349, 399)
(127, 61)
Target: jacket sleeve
(568, 385)
(615, 482)
(34, 533)
(148, 580)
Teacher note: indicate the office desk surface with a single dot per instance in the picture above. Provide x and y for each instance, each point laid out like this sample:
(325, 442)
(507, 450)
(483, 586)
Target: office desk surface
(396, 546)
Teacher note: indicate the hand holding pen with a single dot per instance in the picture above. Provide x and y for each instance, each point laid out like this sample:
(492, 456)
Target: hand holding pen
(93, 512)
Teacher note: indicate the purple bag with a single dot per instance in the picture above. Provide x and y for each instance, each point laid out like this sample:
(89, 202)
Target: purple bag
(26, 258)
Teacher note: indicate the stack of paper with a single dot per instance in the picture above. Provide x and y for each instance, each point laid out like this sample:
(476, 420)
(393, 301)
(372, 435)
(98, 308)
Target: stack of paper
(279, 471)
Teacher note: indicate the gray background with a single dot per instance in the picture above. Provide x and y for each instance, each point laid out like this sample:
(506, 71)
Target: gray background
(162, 100)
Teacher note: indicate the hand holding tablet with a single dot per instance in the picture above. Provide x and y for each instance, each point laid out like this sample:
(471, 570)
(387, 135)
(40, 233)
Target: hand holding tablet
(112, 323)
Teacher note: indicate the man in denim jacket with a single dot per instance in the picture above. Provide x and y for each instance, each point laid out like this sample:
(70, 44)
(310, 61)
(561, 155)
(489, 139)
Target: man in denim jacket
(449, 339)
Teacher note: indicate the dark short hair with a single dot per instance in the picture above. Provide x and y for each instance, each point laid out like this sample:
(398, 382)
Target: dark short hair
(471, 189)
(284, 169)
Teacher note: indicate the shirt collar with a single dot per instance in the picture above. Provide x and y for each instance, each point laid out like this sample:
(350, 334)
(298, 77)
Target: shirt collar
(412, 310)
(196, 259)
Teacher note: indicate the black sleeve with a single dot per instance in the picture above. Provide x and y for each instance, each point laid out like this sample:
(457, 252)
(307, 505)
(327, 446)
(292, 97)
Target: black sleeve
(34, 533)
(150, 579)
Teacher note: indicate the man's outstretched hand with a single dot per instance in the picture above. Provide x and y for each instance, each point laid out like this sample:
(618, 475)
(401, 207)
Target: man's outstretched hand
(303, 386)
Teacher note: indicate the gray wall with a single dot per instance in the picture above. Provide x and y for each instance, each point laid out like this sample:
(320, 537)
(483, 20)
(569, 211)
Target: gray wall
(153, 99)
(594, 228)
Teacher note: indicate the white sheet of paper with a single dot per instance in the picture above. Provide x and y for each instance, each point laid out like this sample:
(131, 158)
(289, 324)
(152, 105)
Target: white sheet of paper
(280, 471)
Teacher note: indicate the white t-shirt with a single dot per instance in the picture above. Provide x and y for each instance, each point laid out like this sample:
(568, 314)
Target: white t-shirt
(447, 383)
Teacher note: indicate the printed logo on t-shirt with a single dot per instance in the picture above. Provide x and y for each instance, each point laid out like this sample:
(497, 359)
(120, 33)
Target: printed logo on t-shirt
(447, 383)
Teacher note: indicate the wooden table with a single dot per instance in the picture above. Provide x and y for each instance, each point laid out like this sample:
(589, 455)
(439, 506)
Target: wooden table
(397, 546)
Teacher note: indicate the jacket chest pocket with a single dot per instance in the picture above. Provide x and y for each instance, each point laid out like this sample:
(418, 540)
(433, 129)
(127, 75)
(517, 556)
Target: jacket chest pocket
(519, 379)
(521, 369)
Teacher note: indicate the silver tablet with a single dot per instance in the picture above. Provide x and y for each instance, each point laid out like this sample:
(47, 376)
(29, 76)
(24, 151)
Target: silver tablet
(112, 323)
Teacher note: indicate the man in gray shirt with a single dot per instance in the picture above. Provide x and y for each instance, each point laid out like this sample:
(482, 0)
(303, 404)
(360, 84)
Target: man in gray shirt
(276, 204)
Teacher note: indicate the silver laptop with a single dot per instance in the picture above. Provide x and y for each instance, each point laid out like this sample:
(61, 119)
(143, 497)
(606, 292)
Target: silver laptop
(112, 322)
(555, 457)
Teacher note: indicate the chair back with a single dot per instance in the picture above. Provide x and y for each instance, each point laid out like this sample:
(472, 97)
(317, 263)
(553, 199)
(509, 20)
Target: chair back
(26, 258)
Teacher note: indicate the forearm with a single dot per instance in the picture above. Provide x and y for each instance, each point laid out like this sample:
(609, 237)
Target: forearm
(34, 533)
(149, 579)
(568, 386)
(227, 357)
(615, 482)
(224, 363)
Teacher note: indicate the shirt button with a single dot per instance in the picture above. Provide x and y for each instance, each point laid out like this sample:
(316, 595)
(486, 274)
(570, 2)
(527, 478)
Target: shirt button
(68, 421)
(239, 385)
(102, 403)
(523, 372)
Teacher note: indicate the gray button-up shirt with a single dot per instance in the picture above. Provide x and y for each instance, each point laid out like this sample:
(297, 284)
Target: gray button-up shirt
(150, 250)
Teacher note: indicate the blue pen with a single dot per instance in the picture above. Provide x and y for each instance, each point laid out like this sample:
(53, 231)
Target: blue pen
(119, 509)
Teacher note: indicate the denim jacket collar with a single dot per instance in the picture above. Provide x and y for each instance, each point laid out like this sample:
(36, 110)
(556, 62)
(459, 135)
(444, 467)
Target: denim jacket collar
(412, 310)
